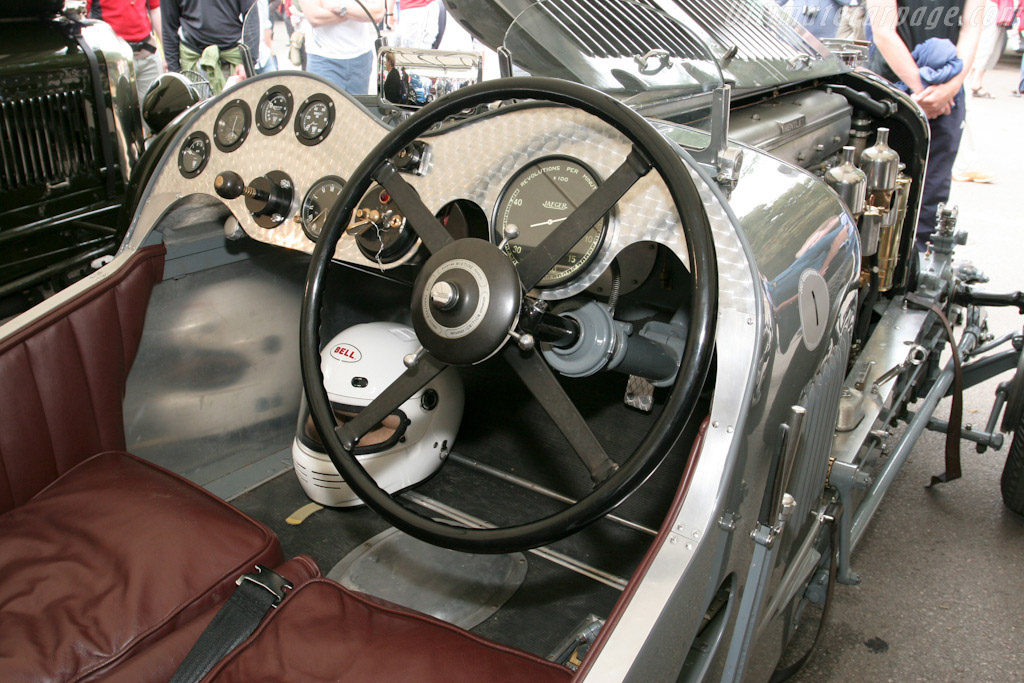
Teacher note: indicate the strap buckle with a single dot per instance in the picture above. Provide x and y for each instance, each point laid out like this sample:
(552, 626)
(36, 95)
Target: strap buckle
(268, 580)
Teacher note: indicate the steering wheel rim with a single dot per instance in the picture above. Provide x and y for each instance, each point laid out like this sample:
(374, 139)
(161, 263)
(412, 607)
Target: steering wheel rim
(661, 156)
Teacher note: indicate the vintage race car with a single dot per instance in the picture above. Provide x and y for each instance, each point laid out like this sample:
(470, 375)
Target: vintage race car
(587, 370)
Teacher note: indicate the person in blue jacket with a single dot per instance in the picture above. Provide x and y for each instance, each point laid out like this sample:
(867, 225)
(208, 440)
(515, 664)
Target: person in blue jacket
(897, 28)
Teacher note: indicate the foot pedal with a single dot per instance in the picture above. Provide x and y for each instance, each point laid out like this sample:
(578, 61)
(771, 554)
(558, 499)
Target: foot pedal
(639, 394)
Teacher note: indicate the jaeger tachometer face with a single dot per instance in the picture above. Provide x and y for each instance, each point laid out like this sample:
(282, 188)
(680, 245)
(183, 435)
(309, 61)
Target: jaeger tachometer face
(537, 200)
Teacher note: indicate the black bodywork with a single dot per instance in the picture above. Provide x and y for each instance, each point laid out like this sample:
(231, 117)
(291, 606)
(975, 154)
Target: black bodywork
(61, 175)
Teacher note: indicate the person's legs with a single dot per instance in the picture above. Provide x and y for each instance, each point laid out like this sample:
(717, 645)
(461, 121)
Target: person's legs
(946, 133)
(147, 69)
(331, 69)
(271, 65)
(355, 73)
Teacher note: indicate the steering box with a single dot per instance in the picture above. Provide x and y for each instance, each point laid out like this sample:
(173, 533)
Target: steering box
(605, 343)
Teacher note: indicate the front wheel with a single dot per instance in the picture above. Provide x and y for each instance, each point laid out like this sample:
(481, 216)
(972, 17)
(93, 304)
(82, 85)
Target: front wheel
(1012, 481)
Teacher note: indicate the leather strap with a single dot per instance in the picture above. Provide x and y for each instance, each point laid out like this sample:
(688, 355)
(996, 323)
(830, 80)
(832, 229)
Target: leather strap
(956, 409)
(784, 673)
(256, 595)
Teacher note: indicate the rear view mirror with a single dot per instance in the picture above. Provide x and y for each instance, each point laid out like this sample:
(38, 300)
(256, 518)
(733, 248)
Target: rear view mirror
(410, 78)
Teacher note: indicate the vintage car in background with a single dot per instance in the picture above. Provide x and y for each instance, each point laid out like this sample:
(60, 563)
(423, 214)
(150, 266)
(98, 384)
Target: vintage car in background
(589, 372)
(71, 133)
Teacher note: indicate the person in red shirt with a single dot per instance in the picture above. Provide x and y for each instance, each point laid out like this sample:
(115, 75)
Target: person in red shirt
(136, 21)
(421, 23)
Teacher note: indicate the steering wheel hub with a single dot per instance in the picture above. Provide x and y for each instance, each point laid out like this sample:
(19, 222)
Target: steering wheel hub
(465, 302)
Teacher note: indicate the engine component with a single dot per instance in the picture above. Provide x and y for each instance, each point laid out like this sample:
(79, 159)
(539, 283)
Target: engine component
(608, 344)
(881, 164)
(861, 130)
(891, 234)
(408, 445)
(849, 182)
(802, 128)
(864, 101)
(870, 229)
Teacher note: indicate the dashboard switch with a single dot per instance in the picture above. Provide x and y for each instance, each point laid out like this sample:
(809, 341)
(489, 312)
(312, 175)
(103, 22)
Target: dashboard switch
(268, 197)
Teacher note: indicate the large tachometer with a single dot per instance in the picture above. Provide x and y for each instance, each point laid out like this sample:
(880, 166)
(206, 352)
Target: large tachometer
(537, 200)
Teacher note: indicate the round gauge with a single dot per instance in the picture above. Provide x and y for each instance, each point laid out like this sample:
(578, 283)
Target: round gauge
(232, 125)
(194, 154)
(318, 201)
(314, 119)
(537, 199)
(273, 110)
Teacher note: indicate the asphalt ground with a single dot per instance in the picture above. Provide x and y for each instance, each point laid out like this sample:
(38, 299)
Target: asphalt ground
(942, 591)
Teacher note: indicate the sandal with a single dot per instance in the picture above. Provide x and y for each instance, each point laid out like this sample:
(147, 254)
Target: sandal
(981, 92)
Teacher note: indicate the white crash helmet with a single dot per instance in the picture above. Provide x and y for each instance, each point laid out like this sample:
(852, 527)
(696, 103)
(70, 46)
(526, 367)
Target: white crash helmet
(407, 446)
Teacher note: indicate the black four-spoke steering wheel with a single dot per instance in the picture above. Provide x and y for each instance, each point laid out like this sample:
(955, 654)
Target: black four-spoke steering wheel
(480, 321)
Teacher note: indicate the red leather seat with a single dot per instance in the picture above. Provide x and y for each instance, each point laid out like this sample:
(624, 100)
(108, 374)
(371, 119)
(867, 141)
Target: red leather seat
(324, 632)
(158, 661)
(109, 558)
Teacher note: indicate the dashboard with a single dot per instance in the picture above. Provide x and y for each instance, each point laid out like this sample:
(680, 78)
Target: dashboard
(278, 149)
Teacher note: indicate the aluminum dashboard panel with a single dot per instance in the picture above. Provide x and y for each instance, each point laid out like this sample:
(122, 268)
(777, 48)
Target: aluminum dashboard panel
(354, 133)
(477, 160)
(471, 161)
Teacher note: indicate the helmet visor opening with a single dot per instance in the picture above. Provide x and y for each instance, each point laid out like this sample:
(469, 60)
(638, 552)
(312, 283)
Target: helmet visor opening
(381, 437)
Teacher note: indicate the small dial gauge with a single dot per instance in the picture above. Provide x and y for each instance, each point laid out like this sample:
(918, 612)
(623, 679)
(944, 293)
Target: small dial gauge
(314, 119)
(537, 200)
(232, 125)
(273, 110)
(317, 203)
(194, 154)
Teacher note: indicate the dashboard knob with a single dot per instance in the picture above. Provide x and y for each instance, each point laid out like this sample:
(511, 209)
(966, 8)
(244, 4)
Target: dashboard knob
(229, 185)
(268, 197)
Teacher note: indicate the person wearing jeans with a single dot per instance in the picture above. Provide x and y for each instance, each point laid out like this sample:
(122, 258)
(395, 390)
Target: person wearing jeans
(898, 26)
(341, 45)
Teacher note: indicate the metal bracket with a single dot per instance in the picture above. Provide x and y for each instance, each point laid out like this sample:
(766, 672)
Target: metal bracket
(846, 478)
(724, 161)
(504, 62)
(644, 61)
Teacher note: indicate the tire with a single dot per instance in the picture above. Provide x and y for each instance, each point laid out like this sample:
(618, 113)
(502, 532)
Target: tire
(1012, 481)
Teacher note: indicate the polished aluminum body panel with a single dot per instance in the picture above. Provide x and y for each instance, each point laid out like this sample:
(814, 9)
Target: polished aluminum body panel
(785, 224)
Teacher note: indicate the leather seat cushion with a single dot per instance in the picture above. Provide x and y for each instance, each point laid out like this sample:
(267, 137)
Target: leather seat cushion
(156, 663)
(324, 632)
(112, 555)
